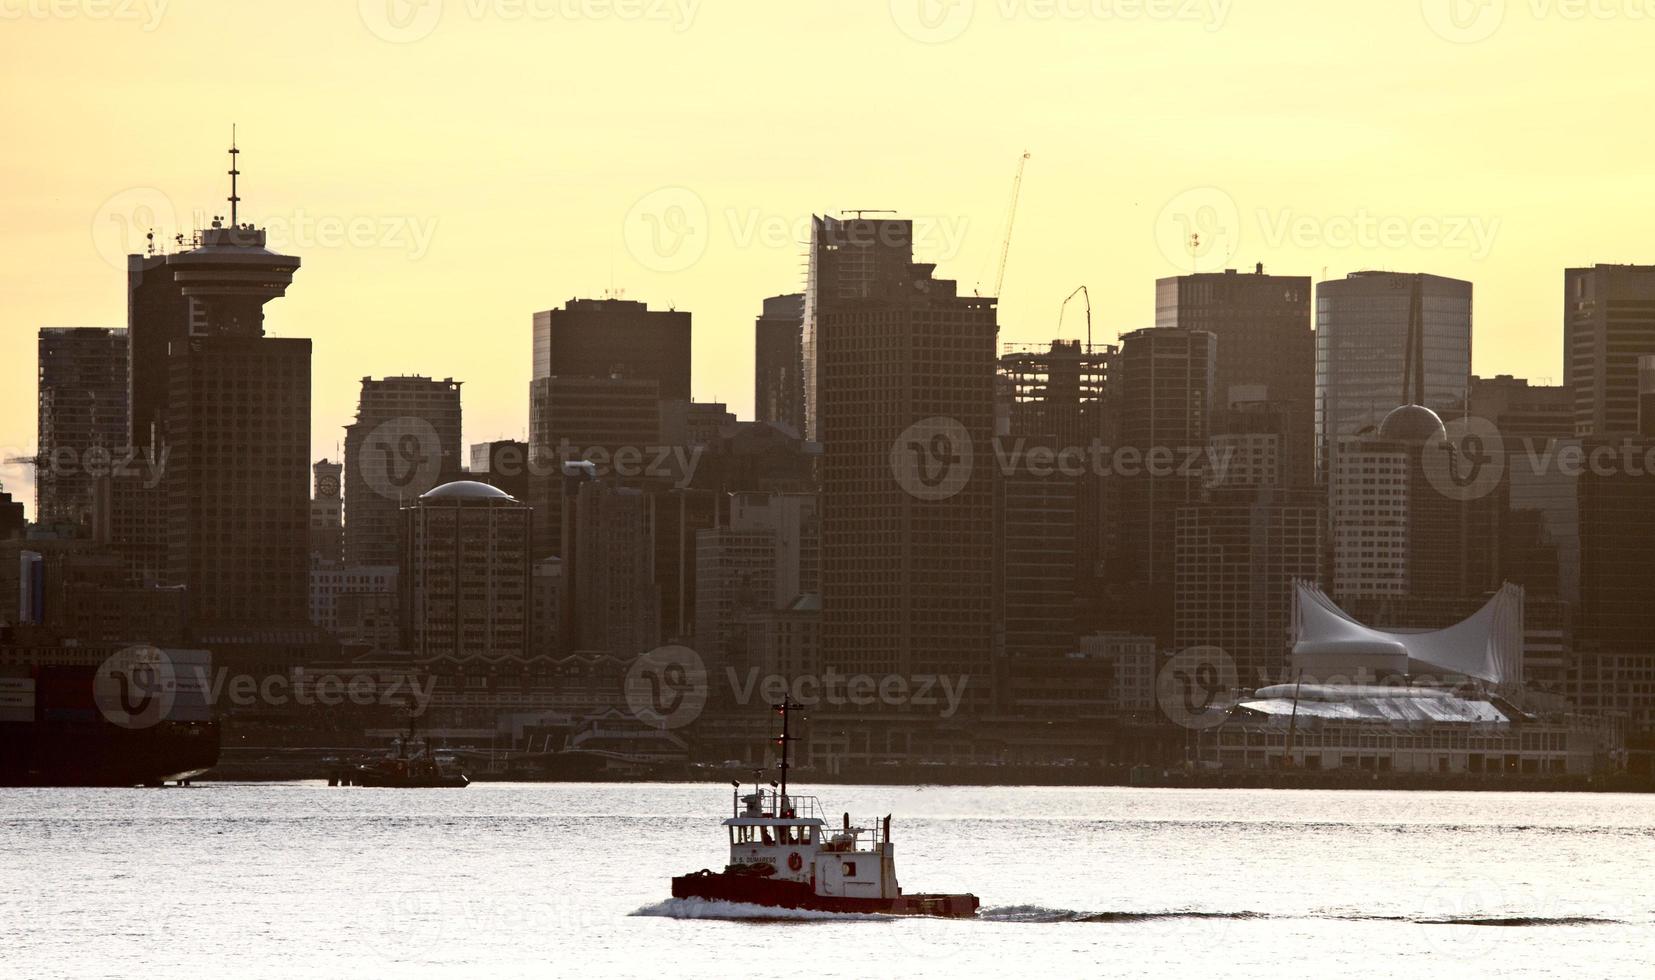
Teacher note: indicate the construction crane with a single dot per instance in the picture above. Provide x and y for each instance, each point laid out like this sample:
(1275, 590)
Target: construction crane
(1083, 294)
(1011, 218)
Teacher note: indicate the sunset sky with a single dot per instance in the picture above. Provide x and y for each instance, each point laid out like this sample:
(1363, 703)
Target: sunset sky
(445, 169)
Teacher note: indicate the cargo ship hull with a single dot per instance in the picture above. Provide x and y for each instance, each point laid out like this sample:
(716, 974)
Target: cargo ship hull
(140, 718)
(101, 754)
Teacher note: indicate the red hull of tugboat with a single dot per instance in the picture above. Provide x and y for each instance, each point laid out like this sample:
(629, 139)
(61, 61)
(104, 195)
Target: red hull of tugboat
(755, 890)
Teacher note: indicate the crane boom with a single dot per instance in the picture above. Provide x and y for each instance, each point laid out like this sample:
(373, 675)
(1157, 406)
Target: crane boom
(1083, 294)
(1011, 219)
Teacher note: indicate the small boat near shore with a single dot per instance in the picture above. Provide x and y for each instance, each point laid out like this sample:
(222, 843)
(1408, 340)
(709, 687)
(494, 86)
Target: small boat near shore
(410, 764)
(784, 854)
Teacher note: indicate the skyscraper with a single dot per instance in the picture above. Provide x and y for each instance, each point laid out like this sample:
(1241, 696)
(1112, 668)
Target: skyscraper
(1237, 554)
(852, 259)
(1264, 338)
(83, 423)
(1055, 396)
(903, 375)
(1363, 326)
(577, 418)
(468, 573)
(778, 365)
(1165, 377)
(613, 573)
(1396, 534)
(603, 338)
(236, 479)
(405, 441)
(502, 463)
(1608, 323)
(228, 411)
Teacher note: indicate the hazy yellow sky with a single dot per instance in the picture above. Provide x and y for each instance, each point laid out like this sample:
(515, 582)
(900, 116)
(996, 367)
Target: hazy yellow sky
(446, 168)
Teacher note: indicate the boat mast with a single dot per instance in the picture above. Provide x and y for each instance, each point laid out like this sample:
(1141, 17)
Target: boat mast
(786, 737)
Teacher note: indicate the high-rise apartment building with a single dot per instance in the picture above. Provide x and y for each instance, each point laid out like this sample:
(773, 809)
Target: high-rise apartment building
(405, 441)
(1608, 324)
(82, 424)
(1264, 334)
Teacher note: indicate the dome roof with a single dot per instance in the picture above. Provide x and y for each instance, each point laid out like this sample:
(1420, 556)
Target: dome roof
(1413, 424)
(466, 490)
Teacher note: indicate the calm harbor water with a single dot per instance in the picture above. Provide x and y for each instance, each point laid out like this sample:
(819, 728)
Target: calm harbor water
(299, 880)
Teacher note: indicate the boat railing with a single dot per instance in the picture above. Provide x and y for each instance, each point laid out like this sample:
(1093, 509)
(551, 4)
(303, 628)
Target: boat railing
(771, 803)
(839, 838)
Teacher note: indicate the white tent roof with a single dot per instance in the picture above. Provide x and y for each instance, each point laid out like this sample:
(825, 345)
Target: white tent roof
(1488, 645)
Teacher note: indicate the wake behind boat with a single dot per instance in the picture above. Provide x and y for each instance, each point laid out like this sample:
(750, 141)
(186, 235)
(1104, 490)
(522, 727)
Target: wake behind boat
(782, 855)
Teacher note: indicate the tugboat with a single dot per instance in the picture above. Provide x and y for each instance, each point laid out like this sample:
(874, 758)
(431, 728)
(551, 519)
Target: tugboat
(782, 855)
(410, 765)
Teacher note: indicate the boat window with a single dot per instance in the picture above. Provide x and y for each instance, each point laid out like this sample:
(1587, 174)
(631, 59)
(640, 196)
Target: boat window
(849, 868)
(768, 840)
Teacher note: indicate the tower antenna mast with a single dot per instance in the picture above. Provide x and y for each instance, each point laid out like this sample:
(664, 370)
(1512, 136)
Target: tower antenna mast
(235, 199)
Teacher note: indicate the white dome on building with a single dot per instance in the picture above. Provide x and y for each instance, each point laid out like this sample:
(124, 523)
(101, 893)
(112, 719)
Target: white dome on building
(466, 490)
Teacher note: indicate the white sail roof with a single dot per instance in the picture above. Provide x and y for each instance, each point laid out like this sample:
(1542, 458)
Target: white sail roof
(1488, 645)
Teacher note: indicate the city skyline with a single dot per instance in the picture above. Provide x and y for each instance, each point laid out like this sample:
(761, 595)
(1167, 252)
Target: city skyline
(391, 225)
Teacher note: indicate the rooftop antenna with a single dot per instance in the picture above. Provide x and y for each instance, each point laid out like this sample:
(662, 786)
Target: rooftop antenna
(234, 173)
